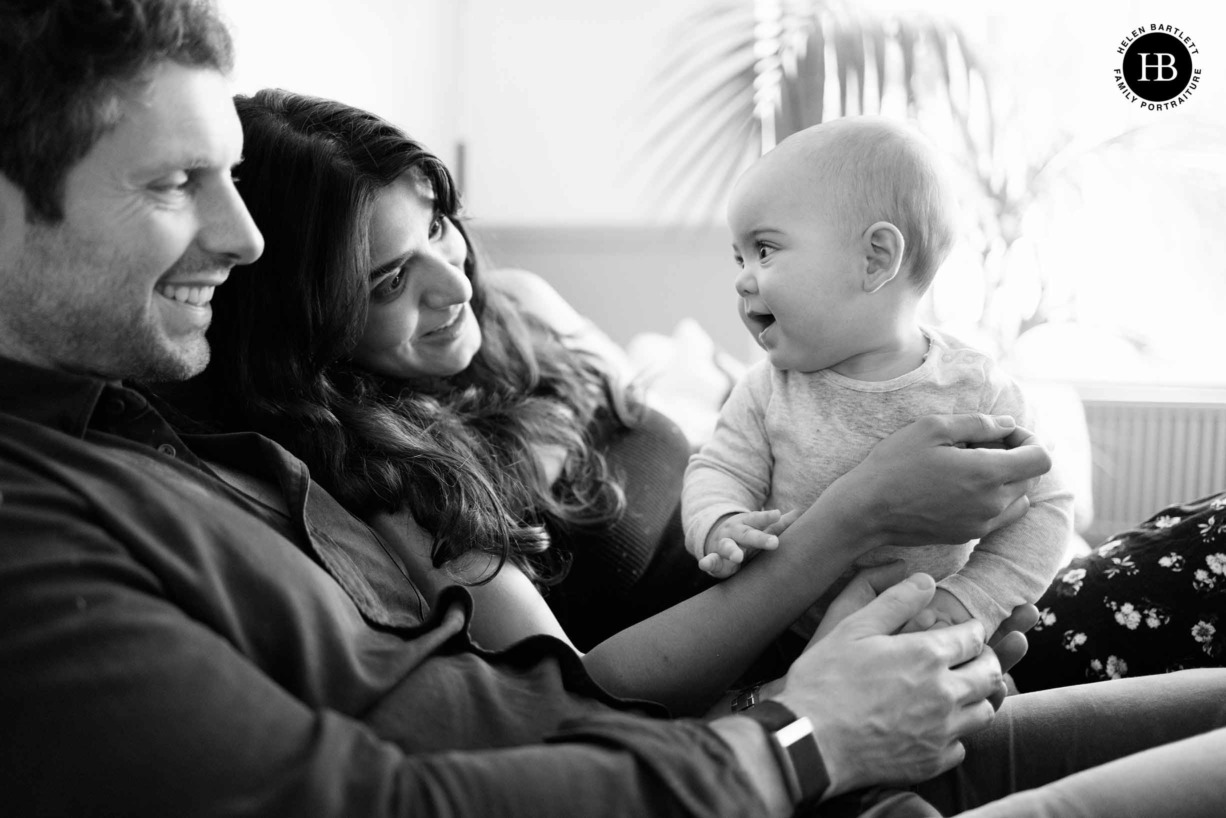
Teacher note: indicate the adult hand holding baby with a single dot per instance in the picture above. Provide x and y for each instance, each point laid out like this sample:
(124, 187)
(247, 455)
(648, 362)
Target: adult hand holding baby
(932, 688)
(919, 486)
(1008, 642)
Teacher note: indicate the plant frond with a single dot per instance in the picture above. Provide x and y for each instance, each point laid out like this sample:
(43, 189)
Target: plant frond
(741, 76)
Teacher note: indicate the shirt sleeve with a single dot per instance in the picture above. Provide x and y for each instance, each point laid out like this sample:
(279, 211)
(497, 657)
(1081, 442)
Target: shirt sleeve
(1015, 564)
(732, 471)
(116, 700)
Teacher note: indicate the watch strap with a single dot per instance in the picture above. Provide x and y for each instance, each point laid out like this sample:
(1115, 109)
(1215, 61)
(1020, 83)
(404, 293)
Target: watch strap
(795, 748)
(745, 698)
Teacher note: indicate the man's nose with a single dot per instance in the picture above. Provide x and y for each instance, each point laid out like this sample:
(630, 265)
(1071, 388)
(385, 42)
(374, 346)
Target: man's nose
(228, 230)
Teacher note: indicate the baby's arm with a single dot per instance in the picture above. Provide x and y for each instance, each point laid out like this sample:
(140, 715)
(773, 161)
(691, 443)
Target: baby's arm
(1015, 565)
(728, 481)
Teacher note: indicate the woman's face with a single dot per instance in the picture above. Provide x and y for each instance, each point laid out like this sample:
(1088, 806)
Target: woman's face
(420, 322)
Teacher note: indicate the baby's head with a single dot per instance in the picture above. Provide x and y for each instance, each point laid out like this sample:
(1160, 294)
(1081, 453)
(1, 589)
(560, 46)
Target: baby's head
(839, 231)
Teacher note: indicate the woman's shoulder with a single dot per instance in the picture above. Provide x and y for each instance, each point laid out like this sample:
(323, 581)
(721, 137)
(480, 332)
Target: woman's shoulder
(538, 298)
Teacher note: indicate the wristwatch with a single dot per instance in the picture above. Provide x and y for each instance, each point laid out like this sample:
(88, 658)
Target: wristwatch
(795, 748)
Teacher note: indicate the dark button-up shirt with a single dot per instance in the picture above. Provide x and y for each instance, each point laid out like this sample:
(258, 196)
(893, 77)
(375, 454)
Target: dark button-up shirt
(171, 644)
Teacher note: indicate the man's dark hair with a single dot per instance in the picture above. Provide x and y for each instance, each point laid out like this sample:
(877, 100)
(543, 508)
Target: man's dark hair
(64, 65)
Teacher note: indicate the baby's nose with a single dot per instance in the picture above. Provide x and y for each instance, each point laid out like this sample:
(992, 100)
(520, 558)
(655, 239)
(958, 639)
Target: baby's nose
(746, 285)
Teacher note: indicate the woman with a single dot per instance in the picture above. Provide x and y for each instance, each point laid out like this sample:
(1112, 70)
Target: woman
(469, 433)
(492, 384)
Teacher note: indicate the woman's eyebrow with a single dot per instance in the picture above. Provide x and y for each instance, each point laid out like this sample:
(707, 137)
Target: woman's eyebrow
(389, 266)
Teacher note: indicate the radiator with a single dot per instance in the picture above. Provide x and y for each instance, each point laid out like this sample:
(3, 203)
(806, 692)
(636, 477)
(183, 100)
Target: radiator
(1149, 454)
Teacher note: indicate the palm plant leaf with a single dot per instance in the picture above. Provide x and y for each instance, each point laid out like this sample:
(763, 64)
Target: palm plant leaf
(879, 44)
(744, 75)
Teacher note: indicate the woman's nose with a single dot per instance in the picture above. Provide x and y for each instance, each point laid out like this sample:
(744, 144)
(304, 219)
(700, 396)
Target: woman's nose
(447, 284)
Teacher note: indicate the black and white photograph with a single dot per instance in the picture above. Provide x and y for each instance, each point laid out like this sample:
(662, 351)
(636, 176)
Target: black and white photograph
(662, 407)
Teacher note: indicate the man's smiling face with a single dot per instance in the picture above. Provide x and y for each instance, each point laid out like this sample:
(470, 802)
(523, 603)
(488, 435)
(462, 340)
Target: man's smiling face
(152, 223)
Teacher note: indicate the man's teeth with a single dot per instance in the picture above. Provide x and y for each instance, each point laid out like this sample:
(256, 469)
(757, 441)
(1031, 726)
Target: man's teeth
(196, 296)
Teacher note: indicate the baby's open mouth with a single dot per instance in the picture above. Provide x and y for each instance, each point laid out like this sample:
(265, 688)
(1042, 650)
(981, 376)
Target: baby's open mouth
(759, 322)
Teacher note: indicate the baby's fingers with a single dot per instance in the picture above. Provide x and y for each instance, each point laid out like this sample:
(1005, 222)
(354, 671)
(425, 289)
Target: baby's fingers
(717, 567)
(759, 520)
(729, 550)
(781, 525)
(747, 537)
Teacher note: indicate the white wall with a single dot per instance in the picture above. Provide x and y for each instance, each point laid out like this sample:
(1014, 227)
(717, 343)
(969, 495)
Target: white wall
(394, 57)
(540, 91)
(550, 89)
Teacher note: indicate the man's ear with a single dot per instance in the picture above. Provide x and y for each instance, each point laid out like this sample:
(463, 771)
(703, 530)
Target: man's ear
(883, 245)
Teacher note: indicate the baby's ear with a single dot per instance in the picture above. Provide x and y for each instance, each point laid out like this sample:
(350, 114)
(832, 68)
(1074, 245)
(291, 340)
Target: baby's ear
(883, 246)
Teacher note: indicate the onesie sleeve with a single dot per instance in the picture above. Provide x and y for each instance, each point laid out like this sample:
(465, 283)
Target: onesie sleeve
(1015, 564)
(732, 471)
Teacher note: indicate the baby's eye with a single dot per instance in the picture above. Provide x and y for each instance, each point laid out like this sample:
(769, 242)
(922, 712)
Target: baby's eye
(738, 261)
(764, 252)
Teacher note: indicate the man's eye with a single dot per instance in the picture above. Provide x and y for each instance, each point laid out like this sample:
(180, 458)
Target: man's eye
(174, 182)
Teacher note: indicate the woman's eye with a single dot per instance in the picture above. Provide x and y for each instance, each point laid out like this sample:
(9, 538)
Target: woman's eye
(388, 286)
(437, 227)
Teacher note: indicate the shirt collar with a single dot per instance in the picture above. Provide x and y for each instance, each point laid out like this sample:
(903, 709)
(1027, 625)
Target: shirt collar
(50, 397)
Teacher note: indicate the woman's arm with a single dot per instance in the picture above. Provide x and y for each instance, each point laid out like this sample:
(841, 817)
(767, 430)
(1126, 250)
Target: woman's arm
(505, 610)
(916, 487)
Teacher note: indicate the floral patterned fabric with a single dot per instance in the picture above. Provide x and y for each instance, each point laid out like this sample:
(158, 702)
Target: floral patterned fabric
(1149, 600)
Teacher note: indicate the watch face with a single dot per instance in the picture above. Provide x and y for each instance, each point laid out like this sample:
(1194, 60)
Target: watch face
(798, 730)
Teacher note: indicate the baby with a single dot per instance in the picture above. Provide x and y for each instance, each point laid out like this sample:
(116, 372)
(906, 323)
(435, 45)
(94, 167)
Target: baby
(838, 232)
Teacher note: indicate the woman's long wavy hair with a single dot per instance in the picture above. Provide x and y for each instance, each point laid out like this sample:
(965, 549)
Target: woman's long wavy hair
(458, 452)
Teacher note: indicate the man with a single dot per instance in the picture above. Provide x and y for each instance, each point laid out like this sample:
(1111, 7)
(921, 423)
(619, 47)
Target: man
(190, 626)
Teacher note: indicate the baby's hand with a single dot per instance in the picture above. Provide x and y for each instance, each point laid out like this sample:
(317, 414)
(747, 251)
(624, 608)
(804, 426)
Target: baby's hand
(753, 530)
(944, 610)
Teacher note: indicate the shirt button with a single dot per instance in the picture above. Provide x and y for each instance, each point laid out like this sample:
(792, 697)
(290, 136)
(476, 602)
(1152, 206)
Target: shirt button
(167, 449)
